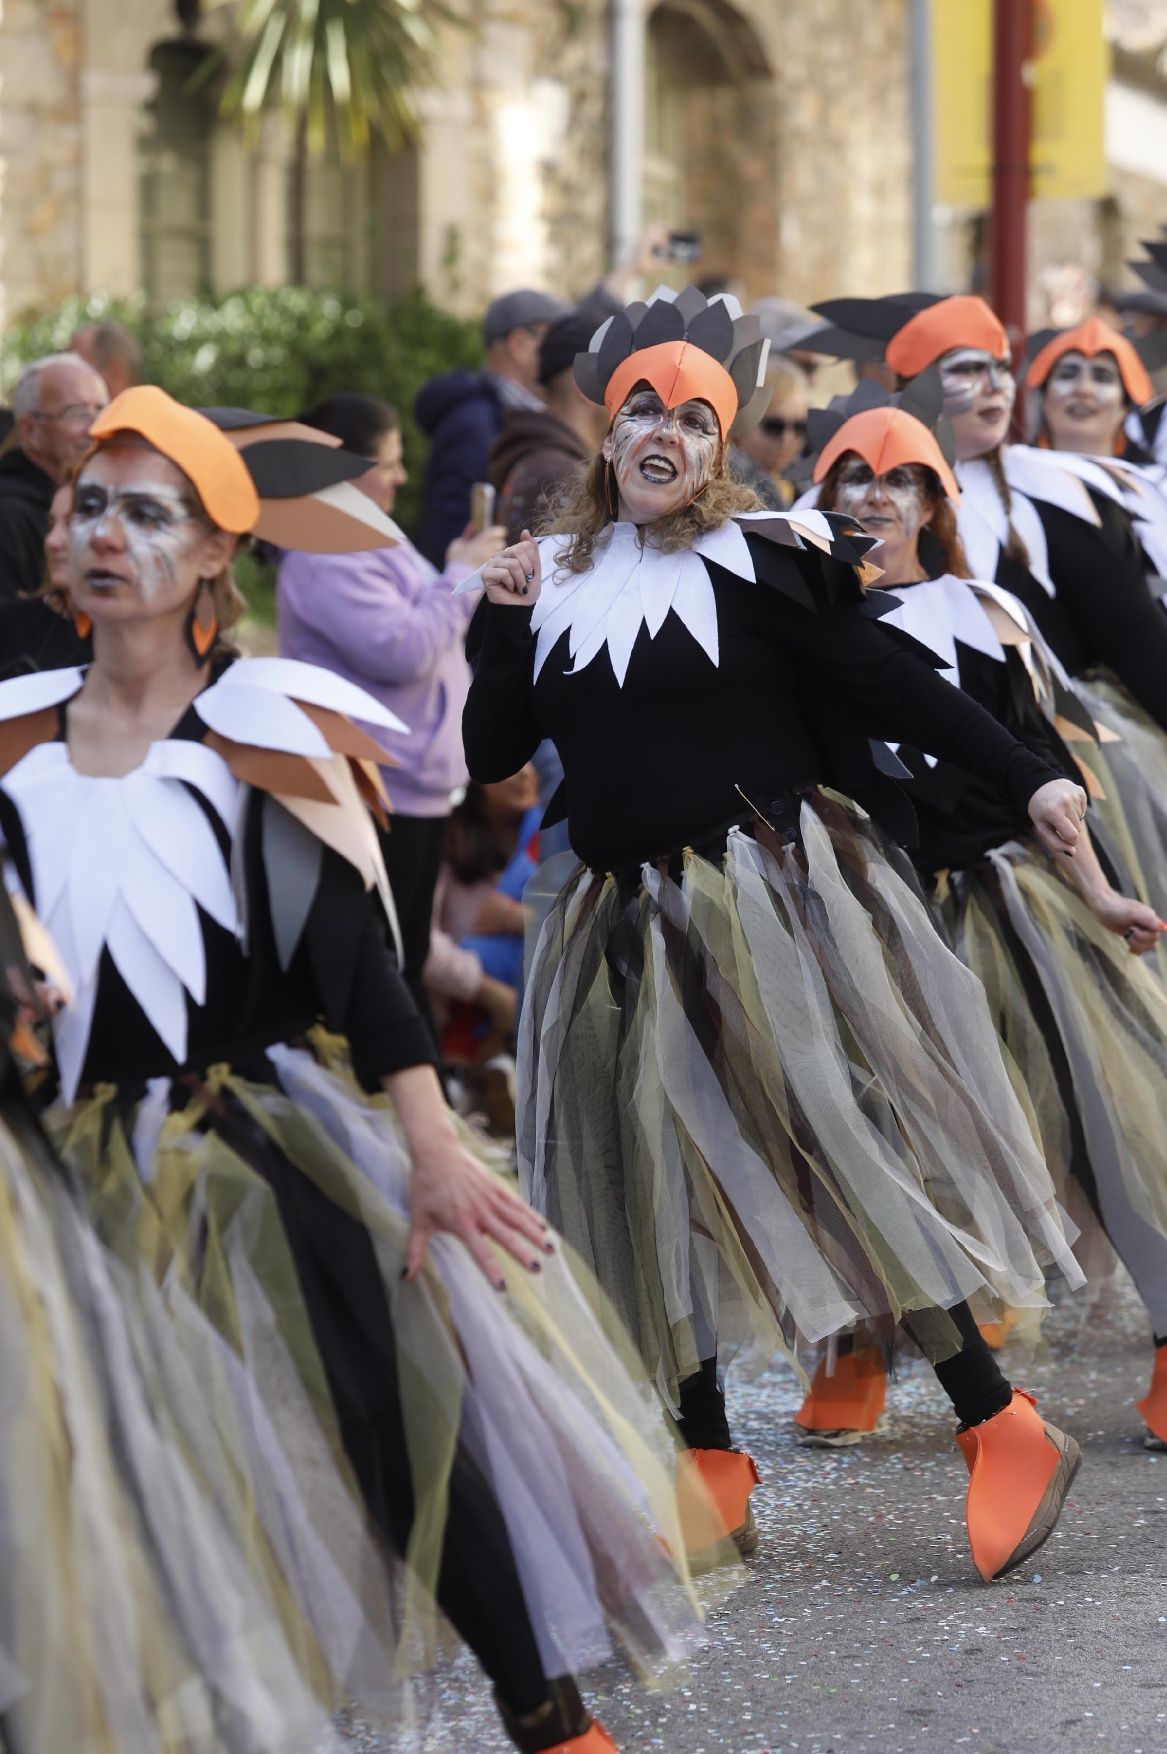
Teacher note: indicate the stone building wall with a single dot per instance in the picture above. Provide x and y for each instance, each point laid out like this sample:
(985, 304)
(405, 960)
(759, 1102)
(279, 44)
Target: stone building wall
(785, 126)
(844, 197)
(40, 149)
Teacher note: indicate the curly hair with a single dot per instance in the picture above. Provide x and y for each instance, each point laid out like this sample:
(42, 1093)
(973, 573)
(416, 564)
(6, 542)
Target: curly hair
(942, 525)
(587, 504)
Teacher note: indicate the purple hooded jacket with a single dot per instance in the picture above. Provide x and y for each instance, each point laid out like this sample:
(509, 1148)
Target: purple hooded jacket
(387, 621)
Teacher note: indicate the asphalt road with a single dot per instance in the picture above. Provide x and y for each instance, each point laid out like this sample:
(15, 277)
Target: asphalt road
(861, 1625)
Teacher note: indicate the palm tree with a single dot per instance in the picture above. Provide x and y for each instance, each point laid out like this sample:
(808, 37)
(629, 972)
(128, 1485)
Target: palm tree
(341, 71)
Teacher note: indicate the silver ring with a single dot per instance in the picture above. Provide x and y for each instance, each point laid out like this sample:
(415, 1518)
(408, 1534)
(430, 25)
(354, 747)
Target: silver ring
(529, 575)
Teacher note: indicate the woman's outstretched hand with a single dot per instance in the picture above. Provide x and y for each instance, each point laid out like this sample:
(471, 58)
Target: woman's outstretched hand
(1133, 920)
(513, 577)
(1057, 811)
(454, 1195)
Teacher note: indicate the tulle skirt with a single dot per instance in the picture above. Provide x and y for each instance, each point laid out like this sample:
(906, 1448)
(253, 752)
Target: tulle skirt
(1130, 820)
(765, 1102)
(273, 1207)
(135, 1617)
(1085, 1024)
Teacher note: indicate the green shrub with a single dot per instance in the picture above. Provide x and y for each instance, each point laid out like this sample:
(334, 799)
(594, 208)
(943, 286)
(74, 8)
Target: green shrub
(277, 351)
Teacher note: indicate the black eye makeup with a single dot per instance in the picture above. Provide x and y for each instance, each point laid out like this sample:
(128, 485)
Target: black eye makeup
(144, 508)
(905, 476)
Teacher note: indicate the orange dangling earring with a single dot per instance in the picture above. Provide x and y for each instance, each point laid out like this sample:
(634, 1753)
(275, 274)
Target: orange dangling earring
(202, 624)
(83, 623)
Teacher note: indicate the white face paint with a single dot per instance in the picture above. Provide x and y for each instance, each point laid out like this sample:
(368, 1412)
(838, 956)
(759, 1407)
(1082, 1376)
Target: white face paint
(895, 506)
(1084, 404)
(662, 457)
(135, 532)
(979, 392)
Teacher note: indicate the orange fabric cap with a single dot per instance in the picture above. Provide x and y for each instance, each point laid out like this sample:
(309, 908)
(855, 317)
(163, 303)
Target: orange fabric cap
(205, 455)
(963, 321)
(1091, 339)
(886, 438)
(678, 372)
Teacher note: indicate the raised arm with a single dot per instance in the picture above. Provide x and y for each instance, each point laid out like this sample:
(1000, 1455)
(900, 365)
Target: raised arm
(901, 698)
(499, 726)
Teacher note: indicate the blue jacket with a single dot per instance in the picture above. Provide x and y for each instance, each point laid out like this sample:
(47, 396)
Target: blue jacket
(461, 412)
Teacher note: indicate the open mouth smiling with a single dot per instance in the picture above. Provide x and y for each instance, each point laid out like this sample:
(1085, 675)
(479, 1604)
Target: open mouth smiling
(658, 470)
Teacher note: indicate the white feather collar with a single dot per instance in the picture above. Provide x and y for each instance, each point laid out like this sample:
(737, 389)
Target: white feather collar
(631, 585)
(945, 611)
(125, 864)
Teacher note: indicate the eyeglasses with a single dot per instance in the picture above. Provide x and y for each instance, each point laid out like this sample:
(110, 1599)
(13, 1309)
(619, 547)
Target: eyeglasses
(76, 411)
(776, 427)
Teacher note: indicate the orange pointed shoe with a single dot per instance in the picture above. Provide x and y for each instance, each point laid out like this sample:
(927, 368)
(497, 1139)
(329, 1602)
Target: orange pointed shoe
(844, 1407)
(595, 1740)
(1153, 1405)
(722, 1510)
(1020, 1471)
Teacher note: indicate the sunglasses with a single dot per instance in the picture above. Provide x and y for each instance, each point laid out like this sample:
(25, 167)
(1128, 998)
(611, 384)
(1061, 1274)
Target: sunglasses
(775, 427)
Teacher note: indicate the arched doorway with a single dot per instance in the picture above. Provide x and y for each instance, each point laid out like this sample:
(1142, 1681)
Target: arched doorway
(711, 138)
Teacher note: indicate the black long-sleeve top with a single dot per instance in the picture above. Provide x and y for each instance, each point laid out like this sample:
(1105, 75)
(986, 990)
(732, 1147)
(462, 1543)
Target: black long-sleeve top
(962, 816)
(1103, 613)
(805, 678)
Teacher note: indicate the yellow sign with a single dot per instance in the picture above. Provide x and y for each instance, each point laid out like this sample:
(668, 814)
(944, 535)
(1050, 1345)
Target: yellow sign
(1069, 68)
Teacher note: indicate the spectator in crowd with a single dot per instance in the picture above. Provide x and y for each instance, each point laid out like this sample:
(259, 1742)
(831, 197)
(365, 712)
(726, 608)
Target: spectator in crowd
(475, 967)
(387, 620)
(112, 351)
(786, 326)
(538, 447)
(56, 402)
(462, 411)
(780, 436)
(39, 632)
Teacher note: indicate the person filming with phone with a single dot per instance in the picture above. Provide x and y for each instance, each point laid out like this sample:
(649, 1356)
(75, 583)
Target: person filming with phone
(387, 620)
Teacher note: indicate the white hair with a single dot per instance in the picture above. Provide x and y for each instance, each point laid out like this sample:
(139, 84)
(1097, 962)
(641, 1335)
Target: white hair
(26, 398)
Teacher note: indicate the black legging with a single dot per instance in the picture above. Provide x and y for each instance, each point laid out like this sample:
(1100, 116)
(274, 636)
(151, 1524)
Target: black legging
(972, 1380)
(412, 846)
(478, 1586)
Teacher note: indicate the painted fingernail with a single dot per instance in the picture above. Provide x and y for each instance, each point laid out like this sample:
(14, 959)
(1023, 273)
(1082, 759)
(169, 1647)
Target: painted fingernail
(525, 591)
(500, 1285)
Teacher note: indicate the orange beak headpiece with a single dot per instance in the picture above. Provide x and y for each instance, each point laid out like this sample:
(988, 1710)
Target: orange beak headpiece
(687, 347)
(910, 330)
(212, 465)
(964, 321)
(886, 438)
(278, 480)
(1091, 339)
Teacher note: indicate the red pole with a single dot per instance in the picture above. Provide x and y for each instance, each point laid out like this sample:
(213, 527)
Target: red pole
(1012, 124)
